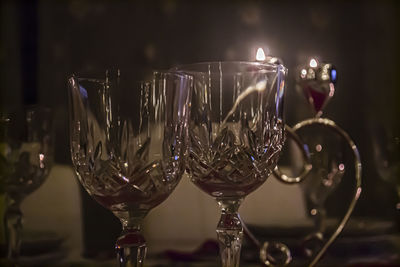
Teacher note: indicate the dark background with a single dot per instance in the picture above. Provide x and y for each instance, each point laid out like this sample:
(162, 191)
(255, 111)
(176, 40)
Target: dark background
(43, 42)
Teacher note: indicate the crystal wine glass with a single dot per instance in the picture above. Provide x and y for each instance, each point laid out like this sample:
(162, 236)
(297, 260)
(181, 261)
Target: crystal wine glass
(236, 134)
(26, 156)
(128, 144)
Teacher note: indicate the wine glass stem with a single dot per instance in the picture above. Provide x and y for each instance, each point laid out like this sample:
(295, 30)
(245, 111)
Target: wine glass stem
(13, 222)
(131, 246)
(229, 232)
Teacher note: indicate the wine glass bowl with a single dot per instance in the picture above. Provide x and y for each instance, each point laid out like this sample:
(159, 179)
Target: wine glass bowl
(128, 145)
(234, 141)
(236, 134)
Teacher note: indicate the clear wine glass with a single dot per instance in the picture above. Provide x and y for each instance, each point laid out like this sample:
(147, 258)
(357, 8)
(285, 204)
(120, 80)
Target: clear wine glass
(26, 157)
(236, 134)
(128, 144)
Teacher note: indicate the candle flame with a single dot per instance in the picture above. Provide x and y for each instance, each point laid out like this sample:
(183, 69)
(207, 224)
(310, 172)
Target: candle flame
(313, 63)
(260, 56)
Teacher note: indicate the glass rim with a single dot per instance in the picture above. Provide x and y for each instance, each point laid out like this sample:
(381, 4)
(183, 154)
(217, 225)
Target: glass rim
(162, 72)
(250, 63)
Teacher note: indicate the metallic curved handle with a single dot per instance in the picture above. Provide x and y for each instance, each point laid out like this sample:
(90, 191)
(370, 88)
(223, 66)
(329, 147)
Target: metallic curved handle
(275, 254)
(271, 253)
(290, 133)
(357, 190)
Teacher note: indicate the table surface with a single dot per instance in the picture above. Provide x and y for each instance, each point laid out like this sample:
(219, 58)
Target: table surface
(383, 250)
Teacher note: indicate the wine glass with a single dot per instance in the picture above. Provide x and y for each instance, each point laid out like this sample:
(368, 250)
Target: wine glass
(128, 144)
(26, 157)
(236, 134)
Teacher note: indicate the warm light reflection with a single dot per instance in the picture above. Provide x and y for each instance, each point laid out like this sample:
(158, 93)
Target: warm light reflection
(260, 56)
(41, 159)
(331, 89)
(318, 148)
(313, 63)
(341, 167)
(325, 72)
(273, 60)
(313, 212)
(303, 73)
